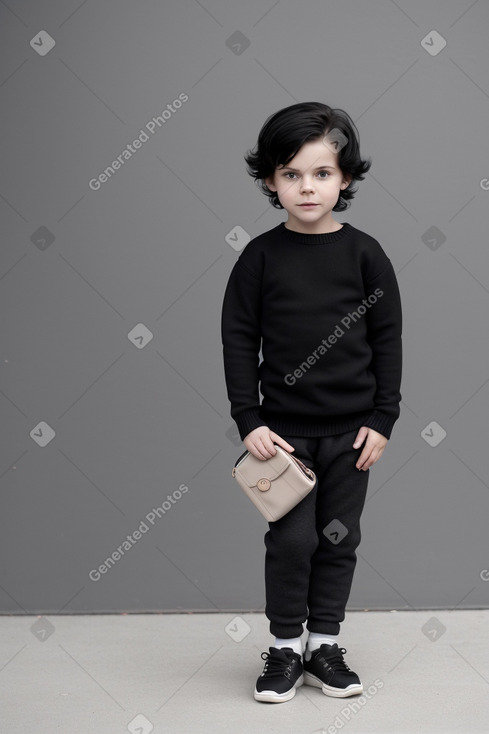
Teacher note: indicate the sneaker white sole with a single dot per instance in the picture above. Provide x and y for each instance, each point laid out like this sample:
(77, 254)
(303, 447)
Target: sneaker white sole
(272, 697)
(353, 690)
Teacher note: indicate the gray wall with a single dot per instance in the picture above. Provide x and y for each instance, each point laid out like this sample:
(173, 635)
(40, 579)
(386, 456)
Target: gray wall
(113, 395)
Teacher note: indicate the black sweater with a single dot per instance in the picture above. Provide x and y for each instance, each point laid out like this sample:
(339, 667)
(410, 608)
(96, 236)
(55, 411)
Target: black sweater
(325, 311)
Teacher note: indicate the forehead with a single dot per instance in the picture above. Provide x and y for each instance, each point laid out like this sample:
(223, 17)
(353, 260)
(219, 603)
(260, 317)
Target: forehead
(314, 152)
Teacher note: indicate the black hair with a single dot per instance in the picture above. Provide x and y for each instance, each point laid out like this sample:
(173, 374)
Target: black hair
(286, 131)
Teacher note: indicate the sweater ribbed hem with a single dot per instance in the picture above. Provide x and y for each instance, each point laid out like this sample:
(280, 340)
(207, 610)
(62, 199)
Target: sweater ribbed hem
(331, 426)
(252, 418)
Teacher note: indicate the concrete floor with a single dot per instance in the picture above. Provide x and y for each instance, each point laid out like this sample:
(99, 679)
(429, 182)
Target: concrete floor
(422, 672)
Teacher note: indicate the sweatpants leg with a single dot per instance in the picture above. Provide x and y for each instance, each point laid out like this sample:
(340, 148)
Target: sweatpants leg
(342, 490)
(290, 544)
(310, 552)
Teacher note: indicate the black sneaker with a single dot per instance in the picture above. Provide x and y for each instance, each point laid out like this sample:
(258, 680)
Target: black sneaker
(281, 675)
(327, 670)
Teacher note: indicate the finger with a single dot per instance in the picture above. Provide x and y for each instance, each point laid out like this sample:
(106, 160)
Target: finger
(281, 442)
(374, 456)
(266, 448)
(268, 444)
(375, 450)
(364, 457)
(256, 448)
(362, 433)
(256, 453)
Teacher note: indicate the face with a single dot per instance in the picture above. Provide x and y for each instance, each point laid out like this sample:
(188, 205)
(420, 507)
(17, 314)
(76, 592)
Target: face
(312, 176)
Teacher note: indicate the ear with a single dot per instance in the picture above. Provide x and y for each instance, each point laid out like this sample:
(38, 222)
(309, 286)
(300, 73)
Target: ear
(347, 179)
(270, 183)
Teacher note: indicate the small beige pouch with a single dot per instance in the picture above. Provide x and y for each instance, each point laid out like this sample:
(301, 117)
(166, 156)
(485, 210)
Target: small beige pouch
(275, 485)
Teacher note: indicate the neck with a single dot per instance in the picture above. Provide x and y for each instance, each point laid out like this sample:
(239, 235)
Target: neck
(321, 227)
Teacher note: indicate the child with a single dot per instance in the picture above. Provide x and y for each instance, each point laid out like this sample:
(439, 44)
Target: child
(322, 302)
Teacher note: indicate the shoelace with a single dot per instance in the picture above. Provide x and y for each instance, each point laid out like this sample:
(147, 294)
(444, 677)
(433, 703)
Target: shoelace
(275, 665)
(335, 659)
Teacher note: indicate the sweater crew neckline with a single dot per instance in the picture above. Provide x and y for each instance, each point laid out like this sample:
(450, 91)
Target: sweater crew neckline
(313, 239)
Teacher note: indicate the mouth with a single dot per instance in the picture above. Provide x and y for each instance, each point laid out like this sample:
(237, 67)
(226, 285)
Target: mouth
(308, 204)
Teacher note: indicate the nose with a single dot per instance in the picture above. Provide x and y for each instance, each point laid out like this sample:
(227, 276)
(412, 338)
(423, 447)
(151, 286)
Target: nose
(307, 184)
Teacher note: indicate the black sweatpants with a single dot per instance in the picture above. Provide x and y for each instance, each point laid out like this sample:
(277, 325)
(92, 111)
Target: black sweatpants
(310, 552)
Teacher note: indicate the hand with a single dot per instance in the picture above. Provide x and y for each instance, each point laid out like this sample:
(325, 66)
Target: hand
(372, 451)
(260, 443)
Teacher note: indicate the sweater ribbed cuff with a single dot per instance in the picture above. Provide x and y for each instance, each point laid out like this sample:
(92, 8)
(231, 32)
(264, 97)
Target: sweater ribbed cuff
(247, 421)
(381, 423)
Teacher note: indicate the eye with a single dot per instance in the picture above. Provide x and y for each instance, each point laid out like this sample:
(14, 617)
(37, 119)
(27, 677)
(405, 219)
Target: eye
(325, 172)
(288, 173)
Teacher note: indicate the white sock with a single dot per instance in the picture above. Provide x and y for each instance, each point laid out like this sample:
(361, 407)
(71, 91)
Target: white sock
(315, 640)
(293, 642)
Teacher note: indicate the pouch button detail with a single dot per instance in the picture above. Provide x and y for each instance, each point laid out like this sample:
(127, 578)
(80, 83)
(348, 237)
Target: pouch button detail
(263, 485)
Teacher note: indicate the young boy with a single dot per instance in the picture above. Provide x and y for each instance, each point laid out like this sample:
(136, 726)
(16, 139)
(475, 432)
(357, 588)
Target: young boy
(322, 302)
